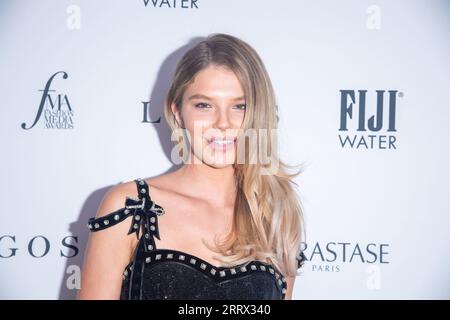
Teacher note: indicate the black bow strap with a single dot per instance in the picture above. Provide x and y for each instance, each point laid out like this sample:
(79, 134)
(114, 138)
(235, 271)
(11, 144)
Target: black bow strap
(146, 210)
(142, 209)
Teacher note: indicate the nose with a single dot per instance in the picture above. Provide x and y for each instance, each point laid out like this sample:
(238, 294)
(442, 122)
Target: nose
(222, 121)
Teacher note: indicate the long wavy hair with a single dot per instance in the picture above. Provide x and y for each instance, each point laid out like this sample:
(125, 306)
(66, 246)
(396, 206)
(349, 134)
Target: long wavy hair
(268, 216)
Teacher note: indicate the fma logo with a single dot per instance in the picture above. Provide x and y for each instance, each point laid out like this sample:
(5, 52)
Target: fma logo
(56, 108)
(380, 127)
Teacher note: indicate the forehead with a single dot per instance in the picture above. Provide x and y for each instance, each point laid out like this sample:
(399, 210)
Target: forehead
(215, 82)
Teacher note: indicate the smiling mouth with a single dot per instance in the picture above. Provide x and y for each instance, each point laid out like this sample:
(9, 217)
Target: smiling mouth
(221, 142)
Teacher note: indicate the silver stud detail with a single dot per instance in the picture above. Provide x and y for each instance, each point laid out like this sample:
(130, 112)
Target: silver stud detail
(142, 190)
(126, 211)
(135, 226)
(152, 228)
(263, 268)
(169, 255)
(203, 266)
(125, 273)
(116, 217)
(213, 271)
(131, 267)
(141, 182)
(106, 222)
(181, 257)
(90, 226)
(277, 275)
(283, 279)
(96, 226)
(150, 247)
(271, 271)
(137, 217)
(192, 261)
(233, 271)
(148, 259)
(253, 267)
(243, 269)
(152, 219)
(279, 282)
(146, 236)
(284, 290)
(158, 256)
(222, 273)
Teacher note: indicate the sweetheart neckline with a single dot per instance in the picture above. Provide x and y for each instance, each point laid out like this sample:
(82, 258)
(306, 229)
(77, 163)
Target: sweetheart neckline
(217, 274)
(155, 251)
(214, 271)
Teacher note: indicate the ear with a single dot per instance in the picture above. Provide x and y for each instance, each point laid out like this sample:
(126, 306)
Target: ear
(176, 113)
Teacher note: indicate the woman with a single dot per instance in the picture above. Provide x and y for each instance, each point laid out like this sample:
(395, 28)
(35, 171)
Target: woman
(223, 226)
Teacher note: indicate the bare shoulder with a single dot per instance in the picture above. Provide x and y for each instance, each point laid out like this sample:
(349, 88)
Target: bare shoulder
(113, 200)
(115, 197)
(109, 250)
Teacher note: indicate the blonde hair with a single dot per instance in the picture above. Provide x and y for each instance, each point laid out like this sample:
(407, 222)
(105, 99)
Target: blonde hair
(268, 216)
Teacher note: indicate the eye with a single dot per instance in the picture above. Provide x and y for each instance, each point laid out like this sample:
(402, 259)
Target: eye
(202, 105)
(241, 106)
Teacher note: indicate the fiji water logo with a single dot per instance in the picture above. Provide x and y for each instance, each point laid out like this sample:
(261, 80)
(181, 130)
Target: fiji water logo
(363, 129)
(172, 4)
(54, 106)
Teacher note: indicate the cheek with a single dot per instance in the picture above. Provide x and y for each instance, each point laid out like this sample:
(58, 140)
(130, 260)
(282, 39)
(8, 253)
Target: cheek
(237, 118)
(197, 131)
(198, 118)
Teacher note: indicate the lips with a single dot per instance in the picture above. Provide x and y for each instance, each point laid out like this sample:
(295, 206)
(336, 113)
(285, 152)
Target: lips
(221, 144)
(222, 141)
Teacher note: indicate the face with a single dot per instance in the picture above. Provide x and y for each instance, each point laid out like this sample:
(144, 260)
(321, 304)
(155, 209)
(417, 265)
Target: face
(212, 111)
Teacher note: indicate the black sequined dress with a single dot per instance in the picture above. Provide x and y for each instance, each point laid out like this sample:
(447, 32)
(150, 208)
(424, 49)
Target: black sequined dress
(171, 274)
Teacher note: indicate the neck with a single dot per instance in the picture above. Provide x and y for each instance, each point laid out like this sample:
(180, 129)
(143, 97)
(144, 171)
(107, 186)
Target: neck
(215, 185)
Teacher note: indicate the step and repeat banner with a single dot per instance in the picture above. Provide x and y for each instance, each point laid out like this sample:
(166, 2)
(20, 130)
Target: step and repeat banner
(363, 91)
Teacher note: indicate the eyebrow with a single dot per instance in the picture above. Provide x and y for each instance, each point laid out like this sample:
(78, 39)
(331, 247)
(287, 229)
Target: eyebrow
(202, 96)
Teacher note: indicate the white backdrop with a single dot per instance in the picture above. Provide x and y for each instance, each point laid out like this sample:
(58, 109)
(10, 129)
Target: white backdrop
(377, 215)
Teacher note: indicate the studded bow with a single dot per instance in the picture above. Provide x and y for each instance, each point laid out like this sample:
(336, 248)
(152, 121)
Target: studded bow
(144, 210)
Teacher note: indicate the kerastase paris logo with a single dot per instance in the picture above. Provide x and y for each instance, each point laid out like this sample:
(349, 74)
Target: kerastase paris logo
(331, 256)
(55, 107)
(376, 132)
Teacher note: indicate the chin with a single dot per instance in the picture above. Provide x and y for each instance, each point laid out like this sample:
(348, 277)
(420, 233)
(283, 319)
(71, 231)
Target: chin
(219, 159)
(218, 162)
(216, 165)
